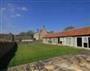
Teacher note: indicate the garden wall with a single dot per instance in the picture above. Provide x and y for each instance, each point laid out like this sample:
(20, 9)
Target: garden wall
(7, 52)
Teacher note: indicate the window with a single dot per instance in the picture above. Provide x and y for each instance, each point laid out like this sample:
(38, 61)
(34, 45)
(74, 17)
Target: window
(85, 39)
(50, 41)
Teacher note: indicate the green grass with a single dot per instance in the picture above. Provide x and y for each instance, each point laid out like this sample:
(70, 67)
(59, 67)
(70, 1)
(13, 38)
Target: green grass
(27, 53)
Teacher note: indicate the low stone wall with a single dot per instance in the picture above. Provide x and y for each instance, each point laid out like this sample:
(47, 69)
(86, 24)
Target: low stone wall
(79, 62)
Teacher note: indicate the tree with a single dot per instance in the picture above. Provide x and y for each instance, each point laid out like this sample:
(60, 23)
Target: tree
(50, 31)
(69, 28)
(22, 33)
(28, 33)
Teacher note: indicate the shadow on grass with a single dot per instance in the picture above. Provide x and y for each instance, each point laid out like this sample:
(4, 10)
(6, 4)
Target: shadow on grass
(7, 52)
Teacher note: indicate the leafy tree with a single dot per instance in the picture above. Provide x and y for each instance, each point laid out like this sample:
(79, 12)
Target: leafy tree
(69, 28)
(50, 31)
(28, 33)
(22, 33)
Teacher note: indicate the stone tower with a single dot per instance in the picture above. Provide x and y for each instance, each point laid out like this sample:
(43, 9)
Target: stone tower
(42, 32)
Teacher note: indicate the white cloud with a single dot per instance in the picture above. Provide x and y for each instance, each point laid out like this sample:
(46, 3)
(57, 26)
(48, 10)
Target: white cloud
(24, 8)
(15, 15)
(18, 15)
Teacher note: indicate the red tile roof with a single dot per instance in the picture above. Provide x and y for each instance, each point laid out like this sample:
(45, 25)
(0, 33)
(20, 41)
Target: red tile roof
(74, 32)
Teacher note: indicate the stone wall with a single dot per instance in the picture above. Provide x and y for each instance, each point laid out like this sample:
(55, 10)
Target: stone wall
(7, 52)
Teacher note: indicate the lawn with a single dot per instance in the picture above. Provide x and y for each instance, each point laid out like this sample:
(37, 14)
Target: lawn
(27, 53)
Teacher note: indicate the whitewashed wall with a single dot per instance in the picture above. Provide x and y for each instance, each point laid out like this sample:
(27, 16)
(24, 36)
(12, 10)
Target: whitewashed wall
(54, 40)
(45, 40)
(85, 40)
(69, 41)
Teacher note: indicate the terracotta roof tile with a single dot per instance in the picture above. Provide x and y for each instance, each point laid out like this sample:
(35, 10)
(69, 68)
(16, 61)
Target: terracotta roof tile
(74, 32)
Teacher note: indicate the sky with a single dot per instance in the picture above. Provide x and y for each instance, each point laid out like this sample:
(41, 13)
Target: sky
(24, 15)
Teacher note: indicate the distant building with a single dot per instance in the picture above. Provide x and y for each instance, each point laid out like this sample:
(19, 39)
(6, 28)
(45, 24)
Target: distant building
(10, 37)
(36, 36)
(75, 37)
(23, 38)
(40, 33)
(5, 37)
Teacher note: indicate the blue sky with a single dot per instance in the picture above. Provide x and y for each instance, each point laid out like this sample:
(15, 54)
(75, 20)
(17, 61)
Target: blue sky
(23, 15)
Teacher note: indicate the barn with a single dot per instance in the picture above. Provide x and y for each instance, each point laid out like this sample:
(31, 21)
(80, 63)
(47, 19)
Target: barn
(79, 37)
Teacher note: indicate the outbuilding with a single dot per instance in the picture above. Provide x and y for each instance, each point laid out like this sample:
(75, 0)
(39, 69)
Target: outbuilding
(75, 37)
